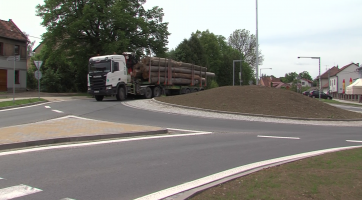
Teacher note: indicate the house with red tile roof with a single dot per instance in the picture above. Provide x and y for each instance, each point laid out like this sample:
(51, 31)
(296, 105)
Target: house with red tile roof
(270, 81)
(12, 43)
(306, 82)
(343, 78)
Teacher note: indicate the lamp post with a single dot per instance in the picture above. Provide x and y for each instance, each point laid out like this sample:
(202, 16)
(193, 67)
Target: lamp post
(261, 69)
(320, 83)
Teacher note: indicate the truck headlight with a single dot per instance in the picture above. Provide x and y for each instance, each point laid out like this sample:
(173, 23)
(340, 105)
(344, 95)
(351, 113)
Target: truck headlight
(89, 88)
(109, 87)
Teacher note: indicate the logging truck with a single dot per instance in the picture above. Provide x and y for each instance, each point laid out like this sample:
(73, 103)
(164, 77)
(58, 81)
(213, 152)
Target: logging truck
(123, 75)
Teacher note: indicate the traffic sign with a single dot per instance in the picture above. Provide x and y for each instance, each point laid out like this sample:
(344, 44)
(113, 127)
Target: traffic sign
(38, 64)
(12, 58)
(37, 74)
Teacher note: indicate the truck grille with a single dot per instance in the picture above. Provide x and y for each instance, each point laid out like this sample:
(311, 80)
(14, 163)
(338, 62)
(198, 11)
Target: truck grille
(98, 82)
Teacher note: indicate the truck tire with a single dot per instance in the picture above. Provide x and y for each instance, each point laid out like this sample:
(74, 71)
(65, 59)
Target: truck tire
(148, 93)
(195, 90)
(187, 91)
(99, 97)
(157, 92)
(121, 95)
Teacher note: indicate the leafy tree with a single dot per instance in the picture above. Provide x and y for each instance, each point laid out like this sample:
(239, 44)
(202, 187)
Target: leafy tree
(30, 44)
(210, 50)
(78, 30)
(289, 77)
(305, 75)
(245, 43)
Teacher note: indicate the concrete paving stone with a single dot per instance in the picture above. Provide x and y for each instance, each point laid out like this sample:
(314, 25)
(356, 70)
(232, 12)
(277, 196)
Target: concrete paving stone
(70, 127)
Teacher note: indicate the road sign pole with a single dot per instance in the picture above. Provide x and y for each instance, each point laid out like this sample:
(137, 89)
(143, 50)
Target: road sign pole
(39, 88)
(14, 79)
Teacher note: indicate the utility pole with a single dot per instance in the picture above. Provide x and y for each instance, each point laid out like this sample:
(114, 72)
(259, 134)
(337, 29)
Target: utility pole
(257, 46)
(329, 81)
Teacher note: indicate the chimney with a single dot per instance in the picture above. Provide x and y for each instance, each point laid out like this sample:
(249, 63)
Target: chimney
(360, 71)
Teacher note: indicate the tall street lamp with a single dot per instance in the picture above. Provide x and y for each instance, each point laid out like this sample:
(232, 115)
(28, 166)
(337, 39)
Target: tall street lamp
(261, 69)
(320, 83)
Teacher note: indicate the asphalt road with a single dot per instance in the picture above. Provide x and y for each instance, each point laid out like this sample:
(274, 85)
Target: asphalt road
(133, 169)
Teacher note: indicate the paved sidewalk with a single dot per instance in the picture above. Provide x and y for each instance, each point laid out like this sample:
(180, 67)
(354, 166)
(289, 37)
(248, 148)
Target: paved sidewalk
(350, 102)
(69, 129)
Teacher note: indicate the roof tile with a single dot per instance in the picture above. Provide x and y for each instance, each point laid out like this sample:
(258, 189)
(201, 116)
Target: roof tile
(8, 29)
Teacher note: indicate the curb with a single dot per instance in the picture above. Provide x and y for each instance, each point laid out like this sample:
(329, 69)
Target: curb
(78, 139)
(255, 115)
(23, 105)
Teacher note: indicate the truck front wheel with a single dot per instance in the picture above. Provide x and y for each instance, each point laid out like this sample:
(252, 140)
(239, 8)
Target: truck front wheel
(121, 95)
(99, 97)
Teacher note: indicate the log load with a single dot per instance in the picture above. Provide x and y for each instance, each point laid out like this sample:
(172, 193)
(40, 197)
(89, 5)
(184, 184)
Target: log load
(155, 61)
(181, 81)
(181, 73)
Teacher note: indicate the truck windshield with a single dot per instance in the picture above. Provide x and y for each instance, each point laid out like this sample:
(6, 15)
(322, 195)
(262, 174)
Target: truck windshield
(102, 66)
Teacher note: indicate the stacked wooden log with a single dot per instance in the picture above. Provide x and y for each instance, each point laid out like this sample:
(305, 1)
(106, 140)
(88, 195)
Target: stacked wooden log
(160, 69)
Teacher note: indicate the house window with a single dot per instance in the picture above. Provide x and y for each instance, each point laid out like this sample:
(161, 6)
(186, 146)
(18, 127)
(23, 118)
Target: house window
(303, 83)
(17, 49)
(1, 48)
(17, 77)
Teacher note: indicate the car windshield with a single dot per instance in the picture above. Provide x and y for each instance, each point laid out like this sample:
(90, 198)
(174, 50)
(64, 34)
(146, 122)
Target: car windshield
(102, 66)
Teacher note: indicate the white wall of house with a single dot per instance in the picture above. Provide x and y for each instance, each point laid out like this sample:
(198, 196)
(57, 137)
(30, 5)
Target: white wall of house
(9, 66)
(22, 80)
(333, 84)
(346, 74)
(306, 83)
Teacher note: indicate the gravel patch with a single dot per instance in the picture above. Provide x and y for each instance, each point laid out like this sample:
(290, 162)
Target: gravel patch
(153, 105)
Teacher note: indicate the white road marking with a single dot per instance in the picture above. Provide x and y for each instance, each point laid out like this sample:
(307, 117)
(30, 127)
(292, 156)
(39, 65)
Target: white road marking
(99, 143)
(1, 178)
(67, 199)
(47, 106)
(58, 111)
(208, 179)
(25, 107)
(278, 137)
(354, 141)
(17, 191)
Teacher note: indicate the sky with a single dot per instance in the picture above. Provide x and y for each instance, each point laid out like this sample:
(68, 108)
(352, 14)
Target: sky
(329, 29)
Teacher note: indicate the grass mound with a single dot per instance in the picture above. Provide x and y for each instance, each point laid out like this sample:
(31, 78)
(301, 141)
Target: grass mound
(260, 100)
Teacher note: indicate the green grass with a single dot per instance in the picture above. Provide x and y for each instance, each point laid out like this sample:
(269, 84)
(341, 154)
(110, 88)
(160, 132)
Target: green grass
(335, 175)
(337, 102)
(20, 102)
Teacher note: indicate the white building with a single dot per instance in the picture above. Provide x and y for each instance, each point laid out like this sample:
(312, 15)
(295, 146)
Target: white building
(306, 82)
(345, 77)
(12, 43)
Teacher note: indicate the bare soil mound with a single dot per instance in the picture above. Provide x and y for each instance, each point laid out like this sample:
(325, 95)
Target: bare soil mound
(260, 100)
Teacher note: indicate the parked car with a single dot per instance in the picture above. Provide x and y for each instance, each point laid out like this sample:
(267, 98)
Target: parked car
(315, 94)
(306, 93)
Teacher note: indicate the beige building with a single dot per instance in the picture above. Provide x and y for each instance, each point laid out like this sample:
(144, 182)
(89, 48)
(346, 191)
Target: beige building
(12, 43)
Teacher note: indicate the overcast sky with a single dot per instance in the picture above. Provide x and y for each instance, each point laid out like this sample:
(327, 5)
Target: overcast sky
(330, 29)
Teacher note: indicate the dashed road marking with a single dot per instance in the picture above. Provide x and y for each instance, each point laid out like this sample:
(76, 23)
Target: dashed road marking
(47, 106)
(17, 191)
(58, 111)
(68, 199)
(278, 137)
(358, 141)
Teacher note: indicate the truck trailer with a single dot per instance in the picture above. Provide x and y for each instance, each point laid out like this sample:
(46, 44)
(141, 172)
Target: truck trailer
(123, 75)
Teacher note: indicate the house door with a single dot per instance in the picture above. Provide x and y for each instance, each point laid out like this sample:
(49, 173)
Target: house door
(3, 80)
